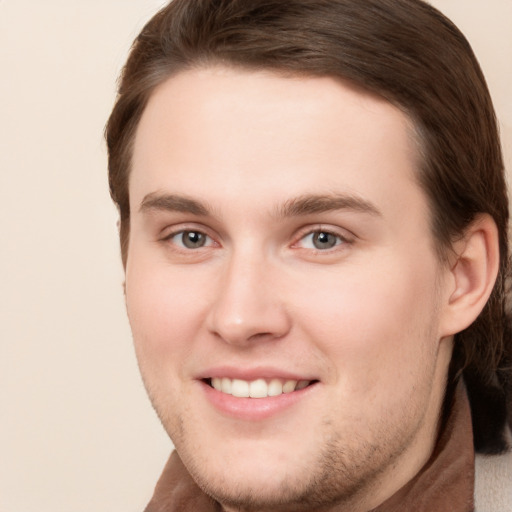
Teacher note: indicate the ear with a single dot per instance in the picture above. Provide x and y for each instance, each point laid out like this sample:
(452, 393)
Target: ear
(471, 275)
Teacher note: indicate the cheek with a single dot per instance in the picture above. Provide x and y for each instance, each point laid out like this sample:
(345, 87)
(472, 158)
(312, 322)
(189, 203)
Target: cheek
(164, 310)
(374, 325)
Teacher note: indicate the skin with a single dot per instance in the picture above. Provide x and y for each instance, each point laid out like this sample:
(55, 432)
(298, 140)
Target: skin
(363, 317)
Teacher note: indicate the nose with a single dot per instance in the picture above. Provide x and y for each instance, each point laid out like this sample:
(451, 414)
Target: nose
(247, 303)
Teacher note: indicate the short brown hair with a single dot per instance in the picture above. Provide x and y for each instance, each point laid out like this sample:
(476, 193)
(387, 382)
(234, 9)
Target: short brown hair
(403, 50)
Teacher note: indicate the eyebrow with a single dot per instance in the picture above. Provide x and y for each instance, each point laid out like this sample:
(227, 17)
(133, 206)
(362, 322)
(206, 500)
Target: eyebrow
(311, 204)
(295, 207)
(173, 203)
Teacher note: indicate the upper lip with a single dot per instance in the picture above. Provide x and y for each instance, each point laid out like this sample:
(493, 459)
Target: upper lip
(253, 373)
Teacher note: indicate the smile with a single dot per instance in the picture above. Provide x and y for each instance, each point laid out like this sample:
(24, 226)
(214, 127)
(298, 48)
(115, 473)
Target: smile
(259, 388)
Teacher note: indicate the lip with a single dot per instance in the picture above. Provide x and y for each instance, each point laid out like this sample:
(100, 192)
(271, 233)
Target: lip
(249, 374)
(253, 409)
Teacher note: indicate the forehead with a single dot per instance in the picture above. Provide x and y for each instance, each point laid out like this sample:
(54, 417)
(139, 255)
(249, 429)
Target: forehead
(221, 133)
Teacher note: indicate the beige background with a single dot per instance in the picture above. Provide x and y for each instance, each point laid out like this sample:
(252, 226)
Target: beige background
(76, 431)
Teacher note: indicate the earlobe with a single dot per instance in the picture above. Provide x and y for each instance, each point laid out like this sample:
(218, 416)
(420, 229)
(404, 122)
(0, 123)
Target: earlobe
(473, 273)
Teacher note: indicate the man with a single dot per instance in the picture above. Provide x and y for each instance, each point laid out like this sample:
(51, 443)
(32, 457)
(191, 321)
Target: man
(313, 228)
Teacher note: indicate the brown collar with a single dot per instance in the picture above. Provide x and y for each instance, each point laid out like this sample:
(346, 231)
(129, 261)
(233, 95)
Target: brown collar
(445, 484)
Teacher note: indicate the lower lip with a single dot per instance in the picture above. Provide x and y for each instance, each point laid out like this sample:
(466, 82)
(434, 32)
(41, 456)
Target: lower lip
(254, 409)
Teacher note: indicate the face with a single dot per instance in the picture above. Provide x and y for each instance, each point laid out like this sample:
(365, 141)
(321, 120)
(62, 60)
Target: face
(283, 289)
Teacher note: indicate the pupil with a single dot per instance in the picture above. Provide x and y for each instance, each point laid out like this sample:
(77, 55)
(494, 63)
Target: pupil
(193, 239)
(324, 240)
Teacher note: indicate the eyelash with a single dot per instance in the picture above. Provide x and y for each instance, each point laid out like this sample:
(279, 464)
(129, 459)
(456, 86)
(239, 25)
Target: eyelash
(182, 232)
(340, 240)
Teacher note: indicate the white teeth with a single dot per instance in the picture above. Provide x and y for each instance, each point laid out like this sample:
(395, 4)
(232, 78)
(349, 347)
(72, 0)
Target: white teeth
(275, 388)
(226, 386)
(289, 386)
(240, 388)
(258, 388)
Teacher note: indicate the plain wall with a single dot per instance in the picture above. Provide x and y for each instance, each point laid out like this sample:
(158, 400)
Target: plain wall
(77, 433)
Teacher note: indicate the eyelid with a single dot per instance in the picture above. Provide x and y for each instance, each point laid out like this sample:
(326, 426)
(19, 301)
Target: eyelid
(346, 236)
(169, 232)
(343, 234)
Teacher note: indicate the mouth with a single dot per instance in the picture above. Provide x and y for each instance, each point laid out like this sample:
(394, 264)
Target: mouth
(259, 388)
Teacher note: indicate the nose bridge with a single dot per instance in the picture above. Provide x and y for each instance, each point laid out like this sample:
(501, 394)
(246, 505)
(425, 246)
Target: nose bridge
(247, 304)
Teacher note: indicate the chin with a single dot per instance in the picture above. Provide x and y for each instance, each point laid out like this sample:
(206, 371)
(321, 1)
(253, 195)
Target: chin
(258, 487)
(248, 473)
(256, 475)
(247, 463)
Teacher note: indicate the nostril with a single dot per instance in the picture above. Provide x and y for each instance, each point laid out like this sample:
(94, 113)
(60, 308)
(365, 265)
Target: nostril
(261, 335)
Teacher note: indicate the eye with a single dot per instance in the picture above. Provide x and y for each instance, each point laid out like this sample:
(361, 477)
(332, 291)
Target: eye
(190, 239)
(321, 240)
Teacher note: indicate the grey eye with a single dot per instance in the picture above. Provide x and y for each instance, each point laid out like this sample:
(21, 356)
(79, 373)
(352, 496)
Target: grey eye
(324, 240)
(191, 239)
(321, 240)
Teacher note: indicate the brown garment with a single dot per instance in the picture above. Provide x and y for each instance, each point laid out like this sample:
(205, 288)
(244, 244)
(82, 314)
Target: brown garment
(445, 484)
